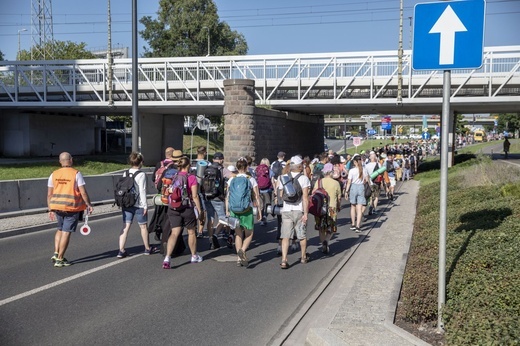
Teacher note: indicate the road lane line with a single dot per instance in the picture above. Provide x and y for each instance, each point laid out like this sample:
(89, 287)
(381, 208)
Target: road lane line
(62, 281)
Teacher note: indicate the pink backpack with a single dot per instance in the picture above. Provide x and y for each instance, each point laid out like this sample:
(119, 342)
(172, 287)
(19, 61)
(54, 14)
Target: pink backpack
(262, 177)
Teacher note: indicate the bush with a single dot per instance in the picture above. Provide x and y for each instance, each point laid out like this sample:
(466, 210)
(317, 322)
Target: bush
(483, 262)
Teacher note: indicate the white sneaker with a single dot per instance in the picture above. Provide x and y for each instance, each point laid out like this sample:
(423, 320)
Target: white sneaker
(196, 258)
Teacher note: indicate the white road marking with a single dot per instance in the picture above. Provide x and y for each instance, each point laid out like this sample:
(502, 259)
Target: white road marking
(62, 281)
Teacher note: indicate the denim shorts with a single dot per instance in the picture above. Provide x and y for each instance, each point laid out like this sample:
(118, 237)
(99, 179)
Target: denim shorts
(67, 221)
(128, 215)
(215, 206)
(356, 194)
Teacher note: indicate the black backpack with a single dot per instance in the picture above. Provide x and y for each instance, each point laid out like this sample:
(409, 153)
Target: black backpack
(277, 168)
(125, 193)
(212, 184)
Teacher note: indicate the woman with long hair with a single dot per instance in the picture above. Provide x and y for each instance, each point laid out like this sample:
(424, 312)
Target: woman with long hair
(355, 192)
(185, 215)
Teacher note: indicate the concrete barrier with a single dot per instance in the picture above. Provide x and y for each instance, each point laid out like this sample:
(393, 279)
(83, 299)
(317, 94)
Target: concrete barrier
(9, 196)
(27, 194)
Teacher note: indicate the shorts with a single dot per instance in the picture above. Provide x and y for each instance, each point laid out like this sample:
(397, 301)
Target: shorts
(215, 206)
(67, 221)
(129, 213)
(392, 181)
(357, 194)
(376, 190)
(292, 223)
(246, 219)
(182, 218)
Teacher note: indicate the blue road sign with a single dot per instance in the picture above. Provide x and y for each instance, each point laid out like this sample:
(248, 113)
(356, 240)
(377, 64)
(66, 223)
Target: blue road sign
(448, 35)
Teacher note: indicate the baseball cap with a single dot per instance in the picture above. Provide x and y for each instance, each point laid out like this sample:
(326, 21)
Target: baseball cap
(296, 160)
(232, 168)
(281, 154)
(328, 168)
(218, 156)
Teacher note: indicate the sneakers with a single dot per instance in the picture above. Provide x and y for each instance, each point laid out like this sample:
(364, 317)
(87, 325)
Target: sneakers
(214, 242)
(352, 228)
(122, 254)
(325, 247)
(62, 263)
(166, 265)
(229, 241)
(150, 251)
(358, 230)
(243, 259)
(196, 258)
(54, 258)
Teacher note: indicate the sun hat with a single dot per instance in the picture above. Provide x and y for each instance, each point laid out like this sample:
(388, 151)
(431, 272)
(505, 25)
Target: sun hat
(177, 154)
(328, 168)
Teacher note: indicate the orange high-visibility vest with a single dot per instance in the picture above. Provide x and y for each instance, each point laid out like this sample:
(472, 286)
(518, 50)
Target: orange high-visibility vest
(64, 196)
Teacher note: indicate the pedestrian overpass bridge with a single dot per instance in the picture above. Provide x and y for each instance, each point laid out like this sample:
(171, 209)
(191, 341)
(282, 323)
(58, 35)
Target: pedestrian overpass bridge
(321, 83)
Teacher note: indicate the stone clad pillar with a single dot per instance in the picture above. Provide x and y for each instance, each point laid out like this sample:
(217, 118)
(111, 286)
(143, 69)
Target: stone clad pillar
(239, 121)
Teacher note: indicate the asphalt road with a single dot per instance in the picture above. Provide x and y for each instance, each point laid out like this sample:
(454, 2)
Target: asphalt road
(101, 300)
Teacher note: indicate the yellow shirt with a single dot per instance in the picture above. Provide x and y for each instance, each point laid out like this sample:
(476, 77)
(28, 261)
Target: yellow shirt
(333, 189)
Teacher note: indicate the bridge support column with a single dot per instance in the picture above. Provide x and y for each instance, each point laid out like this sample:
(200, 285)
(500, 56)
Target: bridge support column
(239, 121)
(260, 132)
(159, 131)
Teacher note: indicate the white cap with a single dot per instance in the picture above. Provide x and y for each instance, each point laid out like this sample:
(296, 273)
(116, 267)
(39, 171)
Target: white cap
(232, 168)
(296, 160)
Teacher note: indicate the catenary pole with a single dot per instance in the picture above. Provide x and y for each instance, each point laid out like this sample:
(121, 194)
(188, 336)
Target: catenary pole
(135, 91)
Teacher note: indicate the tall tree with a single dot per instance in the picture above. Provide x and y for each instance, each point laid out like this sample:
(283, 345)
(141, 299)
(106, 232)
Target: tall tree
(1, 56)
(509, 122)
(182, 28)
(62, 50)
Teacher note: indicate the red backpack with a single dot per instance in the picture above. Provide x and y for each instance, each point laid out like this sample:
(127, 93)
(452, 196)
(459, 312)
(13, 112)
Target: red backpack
(262, 177)
(319, 201)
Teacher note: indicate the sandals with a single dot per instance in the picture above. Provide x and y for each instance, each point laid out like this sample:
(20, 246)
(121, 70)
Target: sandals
(284, 265)
(306, 259)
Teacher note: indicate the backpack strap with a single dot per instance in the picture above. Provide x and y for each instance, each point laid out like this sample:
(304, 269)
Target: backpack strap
(320, 185)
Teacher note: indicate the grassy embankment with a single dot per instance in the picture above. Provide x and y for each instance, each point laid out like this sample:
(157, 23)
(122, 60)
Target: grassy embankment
(483, 260)
(92, 165)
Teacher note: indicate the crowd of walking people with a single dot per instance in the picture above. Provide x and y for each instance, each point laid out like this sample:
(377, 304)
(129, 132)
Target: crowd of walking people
(207, 198)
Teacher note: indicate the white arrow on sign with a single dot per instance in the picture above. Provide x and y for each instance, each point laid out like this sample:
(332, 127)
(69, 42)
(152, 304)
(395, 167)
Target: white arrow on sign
(447, 25)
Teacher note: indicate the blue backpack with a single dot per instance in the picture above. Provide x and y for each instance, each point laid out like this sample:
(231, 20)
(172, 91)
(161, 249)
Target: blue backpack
(240, 195)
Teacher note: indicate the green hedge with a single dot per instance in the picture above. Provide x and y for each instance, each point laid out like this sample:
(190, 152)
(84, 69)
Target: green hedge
(483, 261)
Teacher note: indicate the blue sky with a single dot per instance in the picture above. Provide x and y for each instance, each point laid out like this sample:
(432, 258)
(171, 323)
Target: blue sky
(270, 26)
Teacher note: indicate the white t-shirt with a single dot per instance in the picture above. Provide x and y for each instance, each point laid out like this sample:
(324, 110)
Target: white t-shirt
(353, 175)
(304, 183)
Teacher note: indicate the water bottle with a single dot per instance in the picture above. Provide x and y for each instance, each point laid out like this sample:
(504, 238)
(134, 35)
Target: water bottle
(232, 222)
(288, 187)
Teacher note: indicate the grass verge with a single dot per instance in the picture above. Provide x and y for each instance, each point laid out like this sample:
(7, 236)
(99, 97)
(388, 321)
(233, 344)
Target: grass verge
(483, 262)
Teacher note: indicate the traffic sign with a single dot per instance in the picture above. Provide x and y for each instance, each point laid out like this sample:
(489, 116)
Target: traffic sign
(448, 35)
(356, 141)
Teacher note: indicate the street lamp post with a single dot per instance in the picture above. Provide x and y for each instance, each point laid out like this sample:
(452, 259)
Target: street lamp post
(19, 31)
(205, 27)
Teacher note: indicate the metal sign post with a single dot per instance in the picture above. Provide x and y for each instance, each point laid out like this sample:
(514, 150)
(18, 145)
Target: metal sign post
(443, 209)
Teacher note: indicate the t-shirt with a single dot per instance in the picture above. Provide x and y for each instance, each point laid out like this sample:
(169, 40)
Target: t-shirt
(333, 189)
(353, 175)
(304, 182)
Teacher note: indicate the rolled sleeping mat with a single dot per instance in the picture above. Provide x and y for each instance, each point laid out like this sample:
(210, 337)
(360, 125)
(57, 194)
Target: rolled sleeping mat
(201, 167)
(379, 171)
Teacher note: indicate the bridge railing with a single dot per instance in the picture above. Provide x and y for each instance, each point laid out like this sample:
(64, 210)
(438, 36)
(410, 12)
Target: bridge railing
(302, 76)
